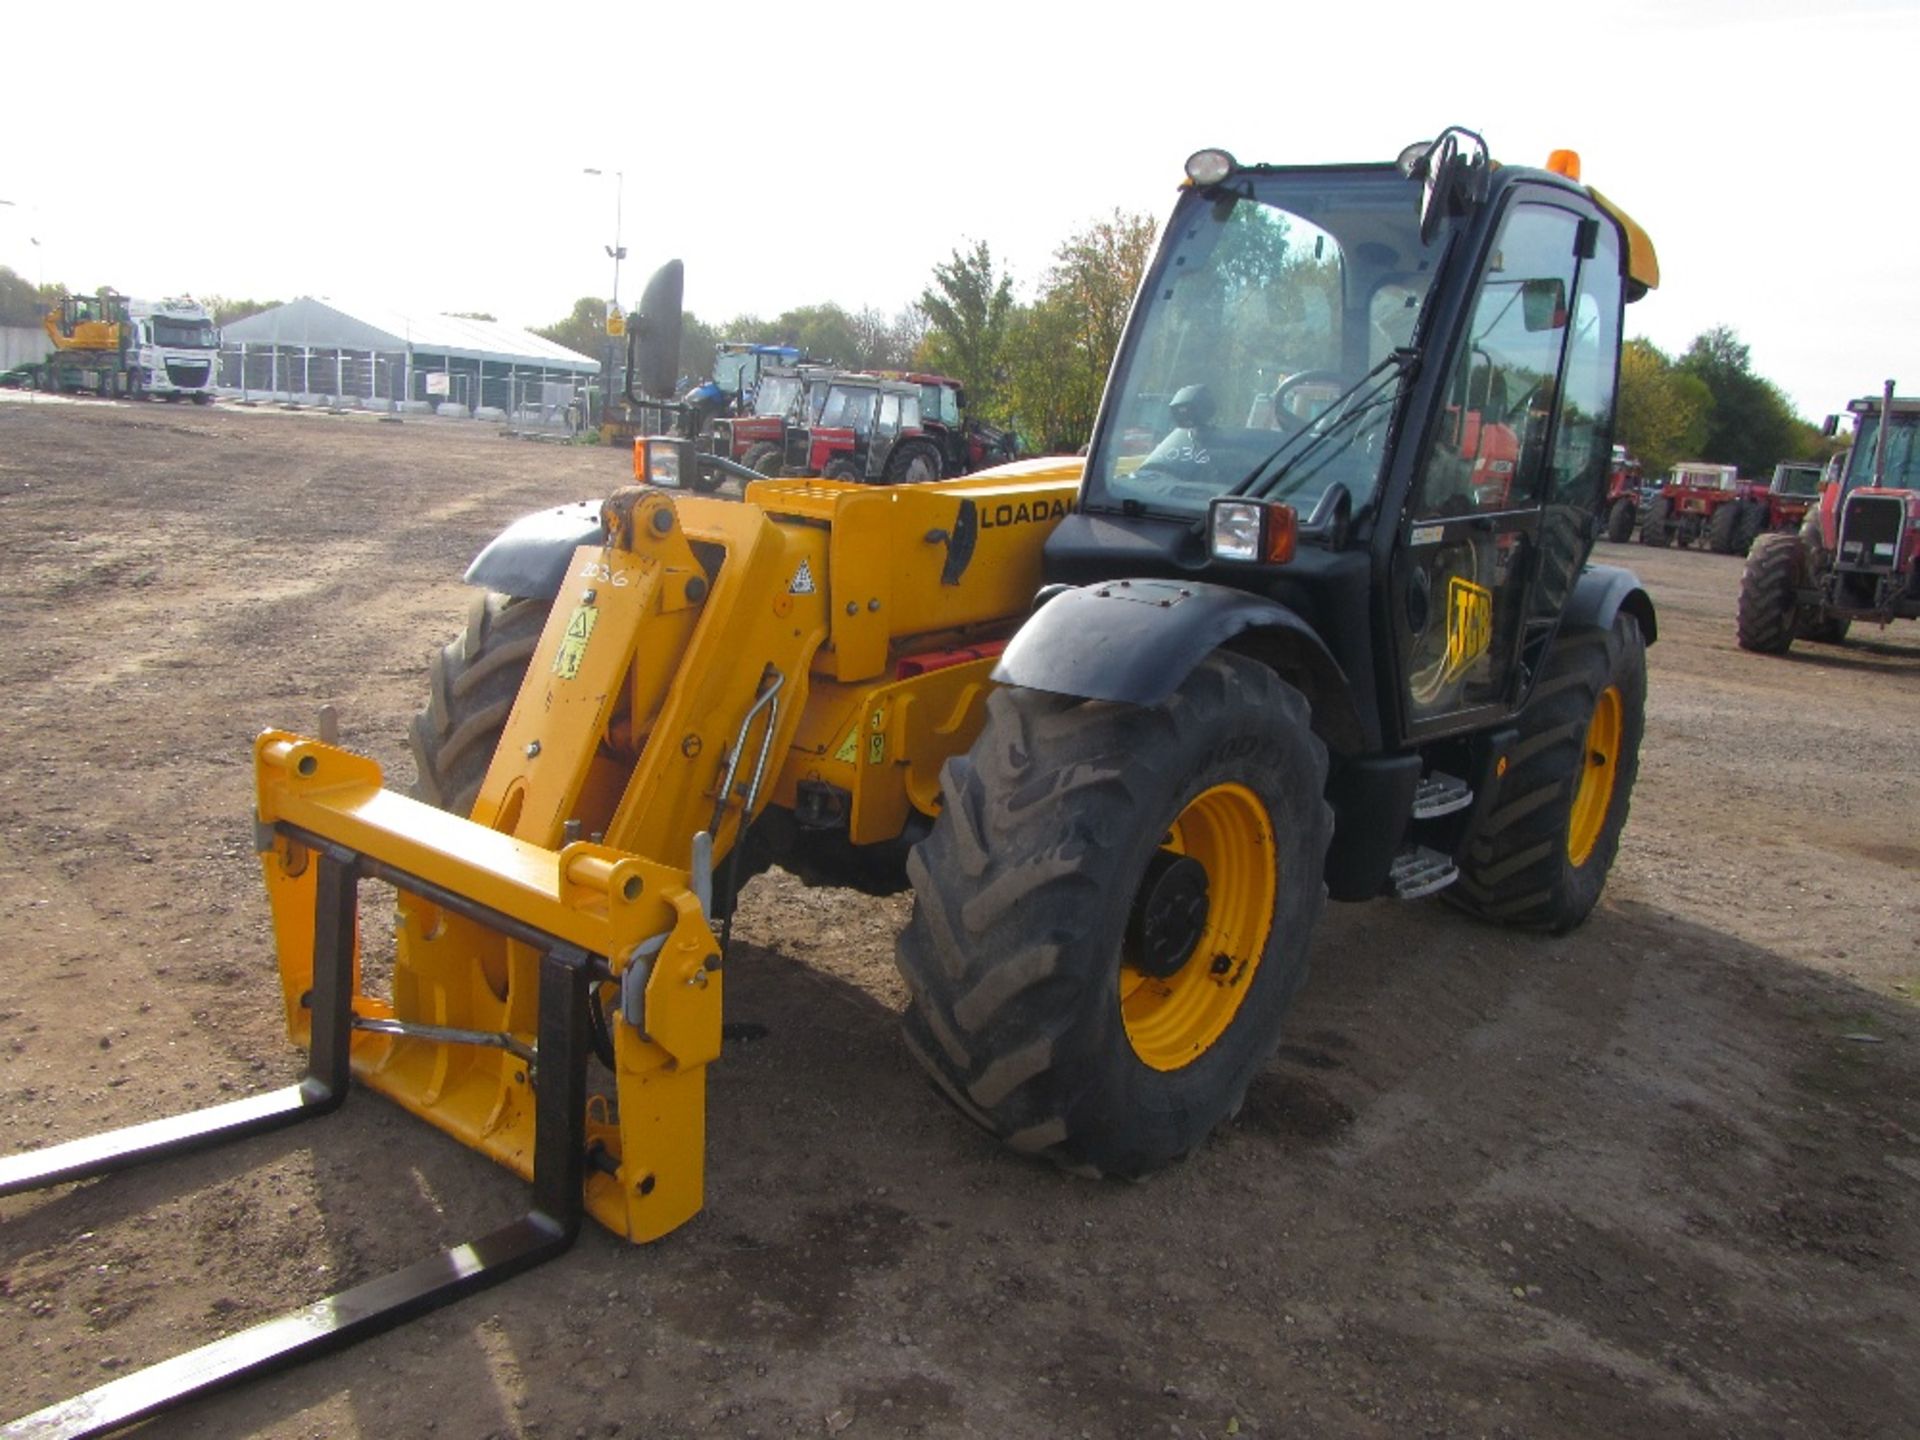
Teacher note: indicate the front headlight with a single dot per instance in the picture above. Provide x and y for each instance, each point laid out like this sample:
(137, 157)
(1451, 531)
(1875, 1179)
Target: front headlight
(665, 463)
(1261, 531)
(1236, 530)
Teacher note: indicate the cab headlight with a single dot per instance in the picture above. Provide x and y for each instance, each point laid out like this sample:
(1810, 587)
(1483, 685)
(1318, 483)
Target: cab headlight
(1236, 529)
(1209, 167)
(1260, 531)
(666, 462)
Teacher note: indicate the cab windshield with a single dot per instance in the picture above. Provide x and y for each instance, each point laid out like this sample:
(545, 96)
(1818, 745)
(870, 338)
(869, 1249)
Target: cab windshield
(734, 373)
(940, 403)
(1261, 352)
(1903, 455)
(849, 408)
(184, 334)
(1800, 481)
(776, 395)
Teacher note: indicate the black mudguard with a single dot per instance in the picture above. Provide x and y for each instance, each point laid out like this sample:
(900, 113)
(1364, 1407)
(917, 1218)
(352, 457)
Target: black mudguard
(1135, 641)
(529, 558)
(1602, 592)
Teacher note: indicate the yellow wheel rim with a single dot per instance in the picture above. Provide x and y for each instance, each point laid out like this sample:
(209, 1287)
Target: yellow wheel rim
(1600, 762)
(1173, 1021)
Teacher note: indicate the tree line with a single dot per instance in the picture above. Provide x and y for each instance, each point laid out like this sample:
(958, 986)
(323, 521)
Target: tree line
(1708, 404)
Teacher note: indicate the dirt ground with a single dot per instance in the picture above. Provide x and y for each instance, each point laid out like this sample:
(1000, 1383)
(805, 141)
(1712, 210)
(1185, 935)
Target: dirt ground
(1661, 1177)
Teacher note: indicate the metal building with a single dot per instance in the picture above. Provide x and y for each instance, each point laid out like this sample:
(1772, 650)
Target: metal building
(319, 352)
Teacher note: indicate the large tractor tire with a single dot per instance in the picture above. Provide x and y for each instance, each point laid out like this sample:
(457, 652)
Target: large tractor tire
(1723, 526)
(842, 468)
(1750, 526)
(766, 458)
(1768, 588)
(1539, 856)
(914, 462)
(1113, 912)
(1620, 521)
(1657, 527)
(473, 683)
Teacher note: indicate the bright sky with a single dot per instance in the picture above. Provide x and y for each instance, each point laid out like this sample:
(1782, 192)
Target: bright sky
(431, 157)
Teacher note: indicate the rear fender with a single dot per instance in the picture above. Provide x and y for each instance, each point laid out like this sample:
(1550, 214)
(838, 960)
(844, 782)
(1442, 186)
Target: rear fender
(1602, 592)
(530, 557)
(1135, 641)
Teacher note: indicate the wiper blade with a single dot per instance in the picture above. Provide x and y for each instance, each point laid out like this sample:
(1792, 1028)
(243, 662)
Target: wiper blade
(1348, 428)
(1330, 422)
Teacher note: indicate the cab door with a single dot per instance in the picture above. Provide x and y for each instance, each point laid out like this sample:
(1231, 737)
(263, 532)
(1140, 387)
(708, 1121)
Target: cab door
(1499, 518)
(886, 432)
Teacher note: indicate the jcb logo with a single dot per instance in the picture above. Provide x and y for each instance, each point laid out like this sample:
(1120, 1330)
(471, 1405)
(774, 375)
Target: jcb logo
(1469, 624)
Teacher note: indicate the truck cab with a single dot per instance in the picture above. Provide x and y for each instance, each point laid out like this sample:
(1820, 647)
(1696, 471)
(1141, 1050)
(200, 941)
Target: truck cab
(176, 350)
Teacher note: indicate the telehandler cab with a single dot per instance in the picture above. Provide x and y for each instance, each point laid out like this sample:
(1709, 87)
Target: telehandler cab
(1123, 724)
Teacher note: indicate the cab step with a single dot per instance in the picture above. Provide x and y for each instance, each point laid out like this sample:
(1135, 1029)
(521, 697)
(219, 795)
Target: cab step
(1420, 870)
(1438, 794)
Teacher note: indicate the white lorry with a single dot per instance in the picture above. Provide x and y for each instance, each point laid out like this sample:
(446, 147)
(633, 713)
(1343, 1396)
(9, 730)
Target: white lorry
(174, 351)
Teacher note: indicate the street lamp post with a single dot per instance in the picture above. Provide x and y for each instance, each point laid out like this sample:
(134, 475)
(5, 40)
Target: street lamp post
(619, 253)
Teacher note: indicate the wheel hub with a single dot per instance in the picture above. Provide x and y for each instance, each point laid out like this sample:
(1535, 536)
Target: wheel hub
(1169, 915)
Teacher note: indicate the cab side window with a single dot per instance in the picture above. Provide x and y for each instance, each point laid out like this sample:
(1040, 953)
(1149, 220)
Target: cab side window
(1489, 452)
(1582, 444)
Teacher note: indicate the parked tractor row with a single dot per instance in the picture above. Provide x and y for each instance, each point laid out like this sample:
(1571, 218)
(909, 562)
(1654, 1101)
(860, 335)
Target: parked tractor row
(870, 427)
(1707, 504)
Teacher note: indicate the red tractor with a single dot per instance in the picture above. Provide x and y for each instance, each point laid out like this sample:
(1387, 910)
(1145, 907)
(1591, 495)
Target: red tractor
(1857, 556)
(786, 397)
(1684, 509)
(1621, 507)
(1781, 505)
(965, 444)
(866, 429)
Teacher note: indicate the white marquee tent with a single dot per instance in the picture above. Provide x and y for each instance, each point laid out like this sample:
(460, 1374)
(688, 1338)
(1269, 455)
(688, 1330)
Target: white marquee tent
(326, 352)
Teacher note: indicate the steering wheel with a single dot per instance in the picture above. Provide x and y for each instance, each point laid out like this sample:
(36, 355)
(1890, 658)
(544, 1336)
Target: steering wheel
(1284, 419)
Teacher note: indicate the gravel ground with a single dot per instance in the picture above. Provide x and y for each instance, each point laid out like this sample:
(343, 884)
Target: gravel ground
(1660, 1177)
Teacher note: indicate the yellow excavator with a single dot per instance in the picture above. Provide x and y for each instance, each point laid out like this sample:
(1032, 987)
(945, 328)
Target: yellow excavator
(1311, 618)
(91, 335)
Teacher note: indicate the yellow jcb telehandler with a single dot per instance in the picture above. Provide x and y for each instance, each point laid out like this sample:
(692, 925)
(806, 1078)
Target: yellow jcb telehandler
(1312, 618)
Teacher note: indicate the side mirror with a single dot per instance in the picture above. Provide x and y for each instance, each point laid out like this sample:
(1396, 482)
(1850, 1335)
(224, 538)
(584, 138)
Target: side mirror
(653, 336)
(1453, 171)
(1831, 427)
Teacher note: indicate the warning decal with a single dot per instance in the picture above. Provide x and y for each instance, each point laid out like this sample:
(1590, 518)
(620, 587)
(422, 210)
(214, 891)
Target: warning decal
(1469, 624)
(573, 649)
(802, 583)
(849, 751)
